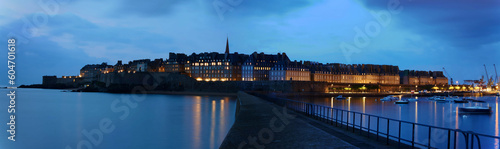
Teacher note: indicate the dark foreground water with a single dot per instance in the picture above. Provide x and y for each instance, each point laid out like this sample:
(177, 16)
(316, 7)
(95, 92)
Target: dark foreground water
(423, 111)
(51, 119)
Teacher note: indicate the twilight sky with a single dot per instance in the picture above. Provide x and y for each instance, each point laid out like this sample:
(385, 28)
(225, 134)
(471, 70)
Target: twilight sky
(58, 37)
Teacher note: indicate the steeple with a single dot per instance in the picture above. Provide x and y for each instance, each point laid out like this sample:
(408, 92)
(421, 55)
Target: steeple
(227, 46)
(226, 54)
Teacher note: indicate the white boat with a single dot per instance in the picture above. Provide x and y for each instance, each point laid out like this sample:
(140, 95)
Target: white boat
(412, 99)
(389, 98)
(402, 102)
(441, 100)
(340, 97)
(460, 101)
(435, 97)
(475, 110)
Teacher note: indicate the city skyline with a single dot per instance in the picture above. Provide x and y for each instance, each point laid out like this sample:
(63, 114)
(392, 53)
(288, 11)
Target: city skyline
(80, 33)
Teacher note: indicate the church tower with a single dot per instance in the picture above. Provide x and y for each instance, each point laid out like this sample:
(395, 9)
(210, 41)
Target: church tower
(226, 54)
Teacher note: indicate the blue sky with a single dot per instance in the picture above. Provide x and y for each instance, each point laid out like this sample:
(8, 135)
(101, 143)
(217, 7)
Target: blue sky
(58, 37)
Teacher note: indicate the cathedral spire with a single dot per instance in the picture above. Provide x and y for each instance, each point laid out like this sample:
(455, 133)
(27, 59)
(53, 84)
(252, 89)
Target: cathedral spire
(227, 46)
(226, 54)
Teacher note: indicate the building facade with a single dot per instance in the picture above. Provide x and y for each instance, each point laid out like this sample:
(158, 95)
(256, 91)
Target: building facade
(412, 77)
(228, 66)
(290, 71)
(258, 65)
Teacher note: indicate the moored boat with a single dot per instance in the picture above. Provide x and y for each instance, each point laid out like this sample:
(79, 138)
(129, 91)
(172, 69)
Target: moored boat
(473, 100)
(340, 97)
(412, 99)
(475, 110)
(402, 102)
(435, 97)
(389, 98)
(441, 100)
(460, 101)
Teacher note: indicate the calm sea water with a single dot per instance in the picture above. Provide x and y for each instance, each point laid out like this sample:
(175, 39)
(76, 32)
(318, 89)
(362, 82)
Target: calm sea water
(423, 111)
(51, 119)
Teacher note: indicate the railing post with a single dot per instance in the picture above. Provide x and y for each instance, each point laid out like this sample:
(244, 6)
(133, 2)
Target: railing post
(320, 113)
(399, 135)
(336, 117)
(306, 109)
(455, 140)
(387, 131)
(449, 131)
(330, 110)
(347, 123)
(327, 114)
(353, 121)
(316, 109)
(341, 118)
(429, 143)
(472, 141)
(413, 136)
(478, 141)
(361, 123)
(378, 118)
(324, 113)
(314, 112)
(369, 124)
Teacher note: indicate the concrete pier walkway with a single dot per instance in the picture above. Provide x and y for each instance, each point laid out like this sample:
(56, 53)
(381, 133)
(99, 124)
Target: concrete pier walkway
(261, 124)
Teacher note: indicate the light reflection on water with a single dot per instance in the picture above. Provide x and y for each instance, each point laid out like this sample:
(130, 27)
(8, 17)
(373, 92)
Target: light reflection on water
(55, 119)
(497, 145)
(423, 111)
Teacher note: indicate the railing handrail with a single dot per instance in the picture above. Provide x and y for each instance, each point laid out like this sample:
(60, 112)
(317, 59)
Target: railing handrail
(437, 127)
(381, 117)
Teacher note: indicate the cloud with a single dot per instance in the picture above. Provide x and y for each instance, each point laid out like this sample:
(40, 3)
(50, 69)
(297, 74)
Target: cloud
(151, 8)
(425, 33)
(69, 42)
(240, 8)
(462, 24)
(271, 7)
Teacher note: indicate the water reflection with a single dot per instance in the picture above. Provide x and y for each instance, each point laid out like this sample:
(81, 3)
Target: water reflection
(456, 117)
(425, 112)
(158, 121)
(217, 122)
(497, 145)
(416, 112)
(196, 121)
(349, 103)
(364, 104)
(212, 125)
(222, 125)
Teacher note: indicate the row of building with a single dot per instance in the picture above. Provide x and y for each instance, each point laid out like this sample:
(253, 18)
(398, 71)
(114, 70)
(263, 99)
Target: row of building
(262, 67)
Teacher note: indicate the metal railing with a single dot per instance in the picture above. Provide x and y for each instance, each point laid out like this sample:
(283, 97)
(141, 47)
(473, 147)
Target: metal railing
(348, 119)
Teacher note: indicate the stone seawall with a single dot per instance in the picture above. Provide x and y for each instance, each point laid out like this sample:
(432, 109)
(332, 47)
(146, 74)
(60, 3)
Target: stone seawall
(164, 81)
(177, 82)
